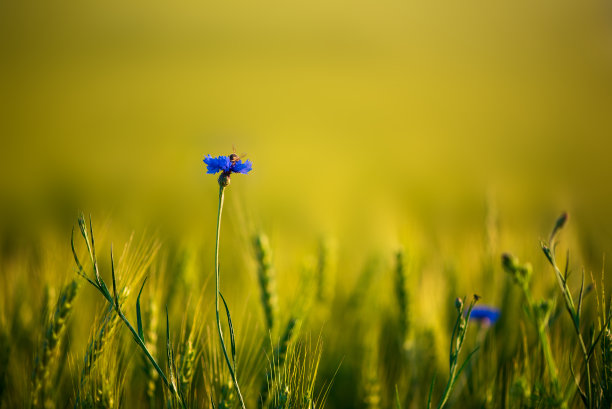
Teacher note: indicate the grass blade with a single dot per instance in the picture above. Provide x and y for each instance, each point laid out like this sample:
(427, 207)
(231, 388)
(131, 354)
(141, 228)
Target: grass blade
(398, 403)
(466, 361)
(231, 328)
(431, 387)
(138, 314)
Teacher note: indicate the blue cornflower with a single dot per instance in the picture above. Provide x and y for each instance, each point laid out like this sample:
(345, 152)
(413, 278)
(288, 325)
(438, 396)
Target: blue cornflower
(226, 165)
(485, 314)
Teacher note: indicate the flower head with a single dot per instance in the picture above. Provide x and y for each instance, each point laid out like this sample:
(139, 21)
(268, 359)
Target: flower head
(226, 165)
(485, 314)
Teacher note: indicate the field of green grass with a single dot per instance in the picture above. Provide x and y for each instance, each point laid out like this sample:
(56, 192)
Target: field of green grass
(402, 240)
(127, 320)
(81, 327)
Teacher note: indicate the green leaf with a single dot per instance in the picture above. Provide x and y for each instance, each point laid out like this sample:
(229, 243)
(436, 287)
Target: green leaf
(579, 312)
(466, 361)
(231, 328)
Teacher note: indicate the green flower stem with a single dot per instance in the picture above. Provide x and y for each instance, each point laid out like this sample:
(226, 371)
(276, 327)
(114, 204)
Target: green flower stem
(229, 365)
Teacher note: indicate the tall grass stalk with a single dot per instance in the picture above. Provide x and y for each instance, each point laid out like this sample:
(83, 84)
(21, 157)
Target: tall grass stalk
(456, 343)
(574, 309)
(114, 302)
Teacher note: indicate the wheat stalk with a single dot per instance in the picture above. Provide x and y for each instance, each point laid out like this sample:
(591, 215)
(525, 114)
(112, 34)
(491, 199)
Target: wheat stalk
(43, 364)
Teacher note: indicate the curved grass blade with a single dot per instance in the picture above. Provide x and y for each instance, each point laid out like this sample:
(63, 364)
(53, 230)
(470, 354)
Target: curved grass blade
(466, 361)
(231, 328)
(577, 382)
(169, 351)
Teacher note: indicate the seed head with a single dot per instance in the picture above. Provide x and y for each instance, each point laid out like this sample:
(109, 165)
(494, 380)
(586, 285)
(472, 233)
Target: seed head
(459, 304)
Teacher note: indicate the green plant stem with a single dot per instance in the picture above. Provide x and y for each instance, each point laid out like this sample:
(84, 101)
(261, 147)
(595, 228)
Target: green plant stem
(229, 365)
(575, 315)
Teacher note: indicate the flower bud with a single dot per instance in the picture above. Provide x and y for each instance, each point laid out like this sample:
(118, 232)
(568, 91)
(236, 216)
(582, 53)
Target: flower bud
(224, 179)
(559, 224)
(458, 304)
(510, 263)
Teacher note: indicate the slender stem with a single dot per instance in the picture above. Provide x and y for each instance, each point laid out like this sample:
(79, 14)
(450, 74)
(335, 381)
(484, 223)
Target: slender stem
(229, 365)
(573, 314)
(142, 345)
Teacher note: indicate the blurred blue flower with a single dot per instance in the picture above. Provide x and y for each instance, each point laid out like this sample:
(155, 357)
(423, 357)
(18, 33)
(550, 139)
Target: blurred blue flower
(485, 314)
(226, 165)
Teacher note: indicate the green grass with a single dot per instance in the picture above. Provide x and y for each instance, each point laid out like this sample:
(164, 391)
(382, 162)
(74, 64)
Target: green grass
(375, 338)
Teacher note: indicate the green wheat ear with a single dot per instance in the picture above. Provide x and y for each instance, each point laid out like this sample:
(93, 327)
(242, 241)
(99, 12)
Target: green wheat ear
(370, 378)
(403, 296)
(278, 361)
(150, 322)
(186, 364)
(44, 361)
(266, 277)
(102, 387)
(104, 332)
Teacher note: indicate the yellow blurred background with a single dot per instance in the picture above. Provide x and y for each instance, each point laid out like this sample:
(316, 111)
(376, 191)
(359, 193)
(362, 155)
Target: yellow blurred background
(364, 120)
(456, 129)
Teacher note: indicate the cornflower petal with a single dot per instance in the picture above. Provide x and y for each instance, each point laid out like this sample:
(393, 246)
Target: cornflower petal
(243, 168)
(218, 164)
